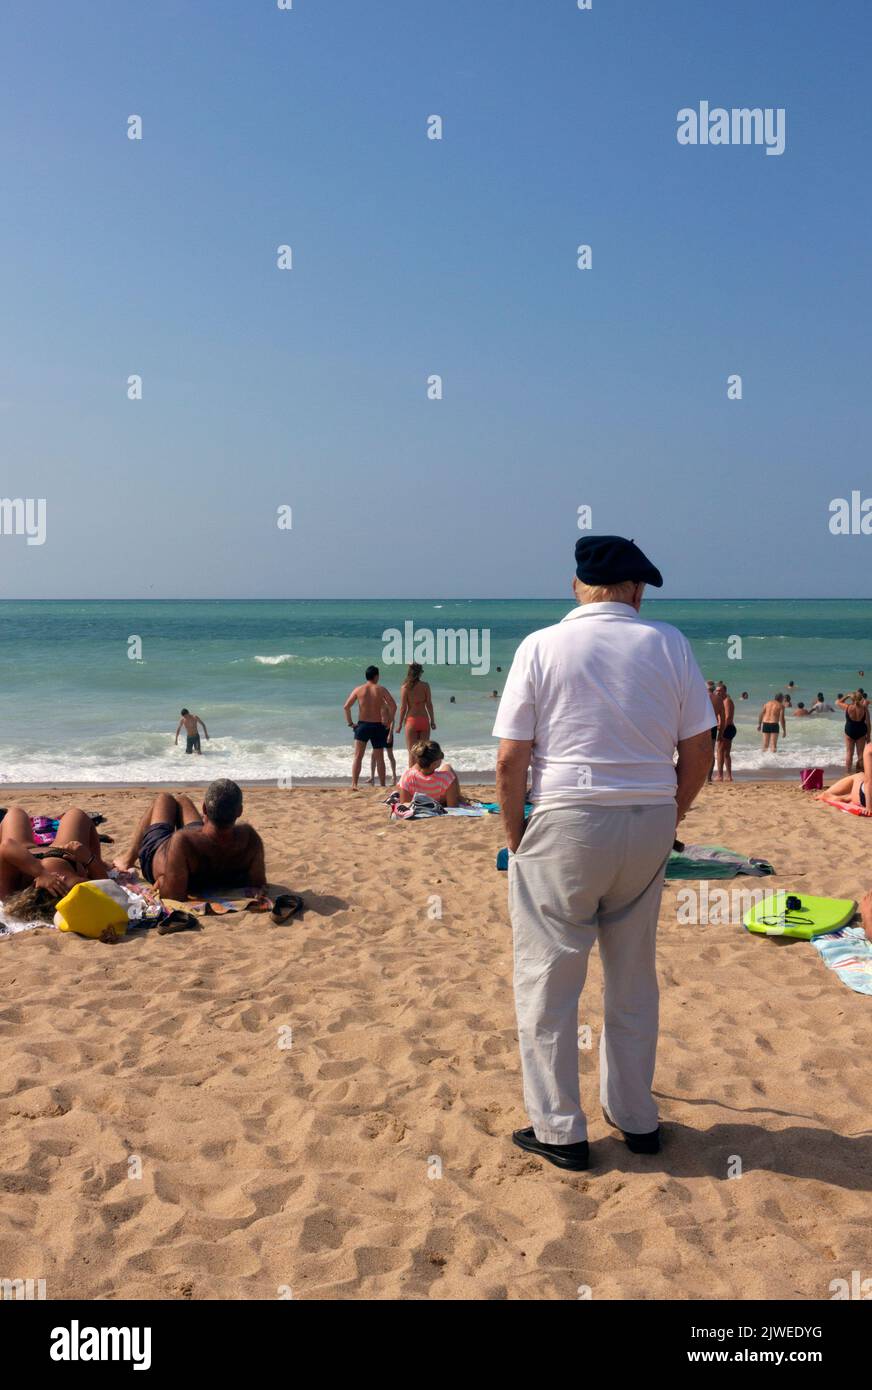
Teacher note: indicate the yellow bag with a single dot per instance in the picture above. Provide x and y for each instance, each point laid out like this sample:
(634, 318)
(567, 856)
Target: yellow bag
(90, 910)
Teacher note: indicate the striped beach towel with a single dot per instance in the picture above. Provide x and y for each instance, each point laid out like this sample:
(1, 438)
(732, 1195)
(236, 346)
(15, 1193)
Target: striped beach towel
(849, 953)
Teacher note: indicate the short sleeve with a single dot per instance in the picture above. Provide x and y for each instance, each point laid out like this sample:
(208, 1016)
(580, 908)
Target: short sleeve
(696, 715)
(516, 716)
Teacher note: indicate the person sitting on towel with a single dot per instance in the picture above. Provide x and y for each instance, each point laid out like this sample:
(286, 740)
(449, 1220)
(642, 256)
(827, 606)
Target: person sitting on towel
(427, 775)
(182, 851)
(34, 878)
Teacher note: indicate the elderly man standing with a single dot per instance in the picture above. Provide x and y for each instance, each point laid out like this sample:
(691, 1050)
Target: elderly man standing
(597, 704)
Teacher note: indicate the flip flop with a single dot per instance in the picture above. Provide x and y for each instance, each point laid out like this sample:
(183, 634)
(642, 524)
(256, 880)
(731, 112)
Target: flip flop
(284, 907)
(178, 921)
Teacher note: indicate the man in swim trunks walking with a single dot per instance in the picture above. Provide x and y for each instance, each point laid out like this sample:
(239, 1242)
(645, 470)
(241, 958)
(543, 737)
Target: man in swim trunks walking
(726, 734)
(190, 722)
(376, 708)
(771, 718)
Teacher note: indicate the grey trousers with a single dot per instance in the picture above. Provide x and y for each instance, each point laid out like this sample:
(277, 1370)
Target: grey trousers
(584, 874)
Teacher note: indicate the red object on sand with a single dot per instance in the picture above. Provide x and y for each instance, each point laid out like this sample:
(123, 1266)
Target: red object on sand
(812, 779)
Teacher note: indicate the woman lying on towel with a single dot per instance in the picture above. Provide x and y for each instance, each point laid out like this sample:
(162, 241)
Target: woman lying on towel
(854, 790)
(33, 878)
(427, 774)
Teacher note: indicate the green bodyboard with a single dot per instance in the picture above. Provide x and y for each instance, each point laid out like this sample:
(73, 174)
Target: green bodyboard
(815, 917)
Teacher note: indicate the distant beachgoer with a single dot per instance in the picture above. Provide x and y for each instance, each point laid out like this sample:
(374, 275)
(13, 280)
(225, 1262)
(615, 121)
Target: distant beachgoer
(801, 712)
(494, 695)
(820, 705)
(745, 695)
(718, 707)
(726, 734)
(182, 850)
(788, 702)
(191, 722)
(772, 720)
(426, 774)
(416, 708)
(856, 709)
(34, 878)
(376, 708)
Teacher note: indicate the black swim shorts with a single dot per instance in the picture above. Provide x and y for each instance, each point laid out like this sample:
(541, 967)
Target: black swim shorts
(151, 841)
(193, 743)
(369, 731)
(728, 734)
(770, 728)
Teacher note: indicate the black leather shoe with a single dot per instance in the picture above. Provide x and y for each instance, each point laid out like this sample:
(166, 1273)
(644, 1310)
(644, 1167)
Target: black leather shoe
(572, 1156)
(637, 1143)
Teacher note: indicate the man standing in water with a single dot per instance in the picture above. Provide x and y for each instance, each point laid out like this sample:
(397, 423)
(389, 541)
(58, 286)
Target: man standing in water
(190, 722)
(718, 707)
(726, 734)
(771, 718)
(376, 708)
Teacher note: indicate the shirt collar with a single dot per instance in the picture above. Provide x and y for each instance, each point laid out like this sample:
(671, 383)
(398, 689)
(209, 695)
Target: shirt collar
(623, 610)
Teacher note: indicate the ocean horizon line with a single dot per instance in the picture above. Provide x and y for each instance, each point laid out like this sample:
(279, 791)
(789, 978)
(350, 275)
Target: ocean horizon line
(466, 598)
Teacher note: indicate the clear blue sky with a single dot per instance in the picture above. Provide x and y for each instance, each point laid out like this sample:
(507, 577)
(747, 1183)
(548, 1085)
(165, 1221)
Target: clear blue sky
(414, 257)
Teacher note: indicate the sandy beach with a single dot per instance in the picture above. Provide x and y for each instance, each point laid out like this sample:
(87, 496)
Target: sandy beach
(293, 1093)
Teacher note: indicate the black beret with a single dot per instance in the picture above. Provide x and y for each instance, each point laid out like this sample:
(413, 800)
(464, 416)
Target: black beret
(611, 560)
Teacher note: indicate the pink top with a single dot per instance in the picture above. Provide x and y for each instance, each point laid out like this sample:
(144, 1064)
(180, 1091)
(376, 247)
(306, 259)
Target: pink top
(435, 784)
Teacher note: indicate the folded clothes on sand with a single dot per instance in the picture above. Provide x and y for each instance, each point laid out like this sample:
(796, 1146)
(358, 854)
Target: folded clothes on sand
(849, 953)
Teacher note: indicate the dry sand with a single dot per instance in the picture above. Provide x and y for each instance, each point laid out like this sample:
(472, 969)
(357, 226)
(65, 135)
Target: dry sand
(306, 1168)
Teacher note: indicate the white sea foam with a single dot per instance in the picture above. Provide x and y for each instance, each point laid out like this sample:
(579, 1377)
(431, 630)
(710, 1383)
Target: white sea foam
(275, 660)
(153, 758)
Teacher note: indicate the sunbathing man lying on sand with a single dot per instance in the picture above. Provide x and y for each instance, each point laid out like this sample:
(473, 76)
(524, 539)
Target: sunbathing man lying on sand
(182, 851)
(34, 878)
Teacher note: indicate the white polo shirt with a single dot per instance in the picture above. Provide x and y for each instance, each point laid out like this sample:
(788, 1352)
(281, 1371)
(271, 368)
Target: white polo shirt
(605, 695)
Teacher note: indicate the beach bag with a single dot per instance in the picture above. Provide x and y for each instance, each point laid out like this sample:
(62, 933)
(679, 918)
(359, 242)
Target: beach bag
(812, 779)
(92, 909)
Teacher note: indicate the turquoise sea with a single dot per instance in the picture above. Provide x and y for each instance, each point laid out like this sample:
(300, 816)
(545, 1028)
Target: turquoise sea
(270, 677)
